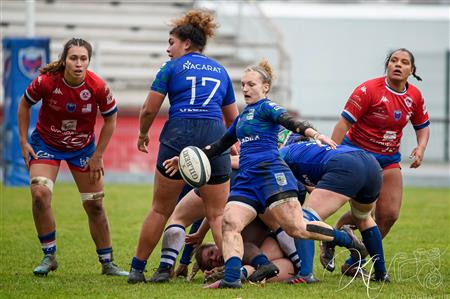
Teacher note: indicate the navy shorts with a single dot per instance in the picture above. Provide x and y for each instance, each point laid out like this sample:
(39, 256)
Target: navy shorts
(263, 184)
(180, 132)
(354, 174)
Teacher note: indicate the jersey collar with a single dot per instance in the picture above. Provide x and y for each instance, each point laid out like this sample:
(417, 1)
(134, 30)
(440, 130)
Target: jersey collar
(393, 90)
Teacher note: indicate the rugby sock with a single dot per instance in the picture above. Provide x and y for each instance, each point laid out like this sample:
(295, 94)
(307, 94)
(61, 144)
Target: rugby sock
(48, 243)
(172, 243)
(353, 261)
(341, 238)
(305, 248)
(189, 249)
(105, 255)
(287, 245)
(260, 259)
(372, 241)
(138, 264)
(232, 269)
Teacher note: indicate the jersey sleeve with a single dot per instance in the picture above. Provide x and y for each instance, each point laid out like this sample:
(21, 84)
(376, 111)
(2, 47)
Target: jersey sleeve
(106, 101)
(36, 90)
(357, 104)
(272, 111)
(232, 129)
(161, 82)
(229, 97)
(420, 118)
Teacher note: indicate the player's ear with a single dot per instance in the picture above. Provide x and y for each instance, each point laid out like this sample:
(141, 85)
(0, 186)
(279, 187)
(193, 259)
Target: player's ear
(187, 44)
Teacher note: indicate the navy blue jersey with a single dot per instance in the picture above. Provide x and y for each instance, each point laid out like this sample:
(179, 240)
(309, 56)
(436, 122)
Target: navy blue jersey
(198, 87)
(307, 159)
(257, 130)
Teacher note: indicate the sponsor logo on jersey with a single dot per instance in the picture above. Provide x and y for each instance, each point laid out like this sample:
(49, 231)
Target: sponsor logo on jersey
(57, 91)
(249, 138)
(250, 114)
(364, 89)
(389, 136)
(193, 110)
(281, 179)
(84, 162)
(384, 100)
(41, 154)
(71, 107)
(397, 114)
(109, 97)
(408, 102)
(69, 125)
(85, 94)
(86, 108)
(201, 67)
(424, 108)
(275, 106)
(31, 59)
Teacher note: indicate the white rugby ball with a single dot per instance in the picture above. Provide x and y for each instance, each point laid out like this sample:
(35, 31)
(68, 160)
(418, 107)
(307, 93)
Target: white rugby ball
(194, 166)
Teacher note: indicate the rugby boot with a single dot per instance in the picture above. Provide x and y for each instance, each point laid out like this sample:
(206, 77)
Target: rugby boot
(112, 269)
(182, 271)
(327, 255)
(223, 284)
(136, 276)
(355, 270)
(264, 272)
(47, 264)
(381, 277)
(194, 271)
(298, 279)
(162, 274)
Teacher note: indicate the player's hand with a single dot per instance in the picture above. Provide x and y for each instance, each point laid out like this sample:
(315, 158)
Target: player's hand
(417, 156)
(95, 166)
(193, 239)
(27, 150)
(323, 139)
(171, 165)
(142, 143)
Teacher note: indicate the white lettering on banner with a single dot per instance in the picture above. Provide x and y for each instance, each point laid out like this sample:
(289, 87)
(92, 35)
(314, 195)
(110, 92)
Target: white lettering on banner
(202, 67)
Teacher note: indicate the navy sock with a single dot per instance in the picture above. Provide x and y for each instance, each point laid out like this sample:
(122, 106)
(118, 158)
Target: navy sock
(305, 248)
(232, 269)
(341, 238)
(105, 255)
(48, 243)
(138, 264)
(189, 249)
(372, 241)
(260, 259)
(352, 261)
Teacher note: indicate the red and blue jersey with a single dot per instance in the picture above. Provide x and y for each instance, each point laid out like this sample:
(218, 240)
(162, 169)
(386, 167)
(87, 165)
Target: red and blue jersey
(68, 113)
(197, 86)
(378, 115)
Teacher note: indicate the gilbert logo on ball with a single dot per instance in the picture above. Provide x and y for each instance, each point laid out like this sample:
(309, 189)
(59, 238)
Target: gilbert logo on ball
(194, 166)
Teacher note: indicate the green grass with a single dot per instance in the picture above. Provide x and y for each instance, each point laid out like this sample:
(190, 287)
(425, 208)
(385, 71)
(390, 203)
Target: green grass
(423, 225)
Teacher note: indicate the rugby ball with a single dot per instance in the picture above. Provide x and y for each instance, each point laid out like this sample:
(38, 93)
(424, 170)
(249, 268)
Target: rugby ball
(194, 166)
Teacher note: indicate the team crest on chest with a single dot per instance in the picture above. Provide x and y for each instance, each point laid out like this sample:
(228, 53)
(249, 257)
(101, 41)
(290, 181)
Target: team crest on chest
(71, 107)
(408, 102)
(397, 114)
(281, 179)
(250, 114)
(85, 94)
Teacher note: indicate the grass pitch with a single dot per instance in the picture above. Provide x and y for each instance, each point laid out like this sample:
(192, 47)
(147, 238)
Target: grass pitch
(417, 252)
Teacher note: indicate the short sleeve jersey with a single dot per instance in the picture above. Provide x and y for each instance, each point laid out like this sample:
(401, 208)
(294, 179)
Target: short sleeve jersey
(67, 117)
(257, 130)
(378, 115)
(306, 159)
(197, 87)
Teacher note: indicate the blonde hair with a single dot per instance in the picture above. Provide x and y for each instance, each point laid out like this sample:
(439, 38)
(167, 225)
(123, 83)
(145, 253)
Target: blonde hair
(197, 25)
(264, 69)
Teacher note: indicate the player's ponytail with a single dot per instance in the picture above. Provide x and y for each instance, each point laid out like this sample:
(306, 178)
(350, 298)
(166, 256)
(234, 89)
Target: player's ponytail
(60, 64)
(197, 26)
(264, 69)
(411, 57)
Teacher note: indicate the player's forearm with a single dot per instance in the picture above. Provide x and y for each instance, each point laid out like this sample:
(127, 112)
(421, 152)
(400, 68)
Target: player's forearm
(106, 133)
(149, 111)
(340, 130)
(219, 146)
(23, 117)
(423, 135)
(297, 126)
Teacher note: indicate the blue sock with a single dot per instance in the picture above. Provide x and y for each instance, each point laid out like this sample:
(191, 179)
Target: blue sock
(138, 264)
(341, 238)
(260, 259)
(48, 243)
(305, 248)
(352, 261)
(372, 241)
(105, 255)
(232, 269)
(189, 249)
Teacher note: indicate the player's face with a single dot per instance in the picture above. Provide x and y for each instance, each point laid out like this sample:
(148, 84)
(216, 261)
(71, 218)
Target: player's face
(399, 66)
(212, 258)
(253, 88)
(177, 47)
(76, 64)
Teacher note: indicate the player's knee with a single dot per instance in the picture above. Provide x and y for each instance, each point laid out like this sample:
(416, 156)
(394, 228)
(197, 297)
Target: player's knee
(41, 181)
(94, 196)
(228, 224)
(358, 213)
